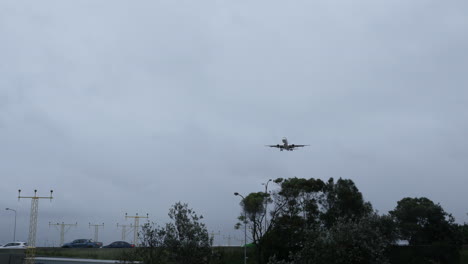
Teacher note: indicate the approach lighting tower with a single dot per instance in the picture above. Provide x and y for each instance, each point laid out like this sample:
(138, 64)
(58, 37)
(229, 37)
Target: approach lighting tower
(63, 230)
(124, 230)
(229, 237)
(136, 225)
(96, 231)
(213, 234)
(31, 251)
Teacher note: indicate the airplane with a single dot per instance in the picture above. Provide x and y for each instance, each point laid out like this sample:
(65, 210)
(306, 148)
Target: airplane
(286, 146)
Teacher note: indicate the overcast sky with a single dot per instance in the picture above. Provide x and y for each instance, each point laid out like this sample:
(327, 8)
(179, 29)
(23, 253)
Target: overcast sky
(131, 106)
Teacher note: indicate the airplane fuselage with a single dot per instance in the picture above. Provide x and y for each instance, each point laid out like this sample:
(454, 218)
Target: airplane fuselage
(285, 144)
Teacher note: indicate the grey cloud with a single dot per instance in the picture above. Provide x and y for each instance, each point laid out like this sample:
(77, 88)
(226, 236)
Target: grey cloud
(123, 107)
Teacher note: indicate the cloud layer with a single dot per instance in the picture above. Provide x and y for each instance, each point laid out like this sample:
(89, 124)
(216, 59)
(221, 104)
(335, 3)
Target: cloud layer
(124, 107)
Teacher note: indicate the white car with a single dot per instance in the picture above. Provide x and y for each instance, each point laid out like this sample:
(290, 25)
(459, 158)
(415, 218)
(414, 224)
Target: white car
(15, 245)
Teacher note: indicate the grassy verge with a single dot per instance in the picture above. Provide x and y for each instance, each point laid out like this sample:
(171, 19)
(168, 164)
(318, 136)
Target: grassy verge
(224, 255)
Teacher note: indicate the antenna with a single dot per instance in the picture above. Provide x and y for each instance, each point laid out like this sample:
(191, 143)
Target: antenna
(31, 250)
(124, 230)
(96, 231)
(135, 226)
(63, 230)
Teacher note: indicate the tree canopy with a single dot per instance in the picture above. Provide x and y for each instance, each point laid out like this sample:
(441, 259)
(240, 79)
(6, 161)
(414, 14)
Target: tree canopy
(422, 222)
(183, 240)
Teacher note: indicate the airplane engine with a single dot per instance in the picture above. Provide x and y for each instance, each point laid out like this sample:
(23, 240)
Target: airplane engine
(292, 146)
(277, 146)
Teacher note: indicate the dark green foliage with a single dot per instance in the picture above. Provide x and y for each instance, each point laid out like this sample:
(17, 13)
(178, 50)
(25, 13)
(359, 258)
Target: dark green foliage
(152, 247)
(182, 241)
(443, 254)
(350, 241)
(330, 222)
(254, 205)
(463, 229)
(300, 196)
(186, 238)
(285, 236)
(305, 206)
(422, 222)
(254, 213)
(342, 199)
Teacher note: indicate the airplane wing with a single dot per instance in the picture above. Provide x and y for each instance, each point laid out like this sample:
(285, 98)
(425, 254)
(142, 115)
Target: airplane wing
(275, 146)
(299, 146)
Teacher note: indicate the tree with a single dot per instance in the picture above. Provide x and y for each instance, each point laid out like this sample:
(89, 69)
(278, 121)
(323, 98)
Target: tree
(296, 209)
(463, 229)
(151, 249)
(342, 199)
(253, 206)
(184, 240)
(421, 222)
(351, 241)
(300, 207)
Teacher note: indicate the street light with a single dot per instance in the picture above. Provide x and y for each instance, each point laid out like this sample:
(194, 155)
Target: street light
(266, 201)
(245, 229)
(14, 231)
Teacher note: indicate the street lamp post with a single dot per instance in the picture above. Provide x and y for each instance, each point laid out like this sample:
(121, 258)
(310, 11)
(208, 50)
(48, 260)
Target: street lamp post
(14, 230)
(266, 201)
(245, 229)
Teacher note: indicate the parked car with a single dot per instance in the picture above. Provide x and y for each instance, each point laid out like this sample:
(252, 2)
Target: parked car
(82, 243)
(16, 244)
(119, 244)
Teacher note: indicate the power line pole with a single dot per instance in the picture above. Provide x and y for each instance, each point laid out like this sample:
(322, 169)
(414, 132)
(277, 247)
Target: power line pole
(63, 230)
(136, 225)
(31, 251)
(96, 231)
(124, 230)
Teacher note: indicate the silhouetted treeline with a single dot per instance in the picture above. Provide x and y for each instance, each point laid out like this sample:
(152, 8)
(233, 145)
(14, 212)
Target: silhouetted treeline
(312, 221)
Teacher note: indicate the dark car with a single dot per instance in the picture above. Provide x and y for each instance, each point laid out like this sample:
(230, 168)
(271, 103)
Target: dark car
(82, 243)
(119, 244)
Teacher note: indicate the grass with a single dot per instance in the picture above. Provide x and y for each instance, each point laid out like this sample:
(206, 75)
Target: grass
(222, 255)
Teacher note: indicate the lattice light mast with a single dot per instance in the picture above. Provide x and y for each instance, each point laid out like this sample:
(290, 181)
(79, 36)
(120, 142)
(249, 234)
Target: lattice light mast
(96, 231)
(213, 234)
(124, 230)
(30, 252)
(136, 225)
(63, 229)
(229, 237)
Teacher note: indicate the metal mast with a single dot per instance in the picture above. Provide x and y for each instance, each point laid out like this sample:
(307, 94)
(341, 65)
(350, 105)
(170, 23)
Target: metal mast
(96, 231)
(63, 230)
(229, 237)
(124, 230)
(135, 226)
(213, 234)
(31, 251)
